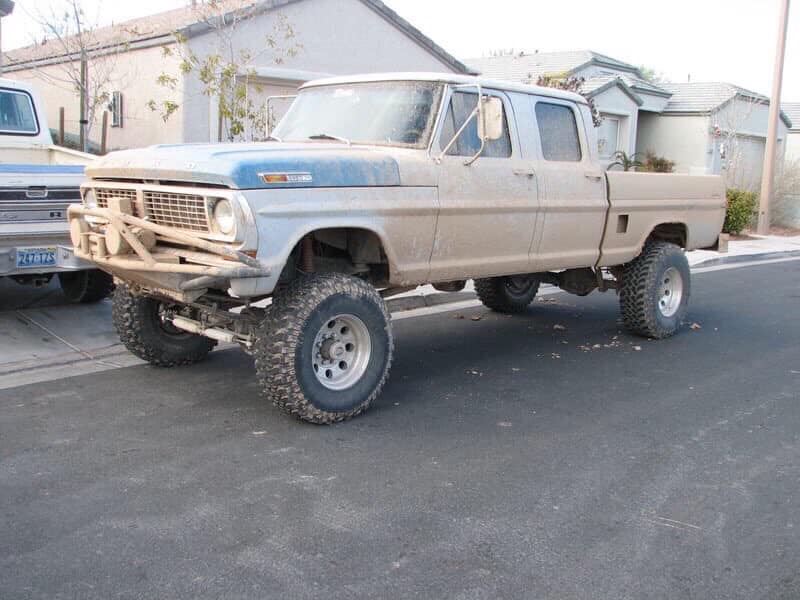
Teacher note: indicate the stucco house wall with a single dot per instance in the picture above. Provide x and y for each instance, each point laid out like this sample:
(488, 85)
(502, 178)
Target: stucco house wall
(616, 106)
(793, 146)
(682, 139)
(134, 74)
(361, 41)
(337, 36)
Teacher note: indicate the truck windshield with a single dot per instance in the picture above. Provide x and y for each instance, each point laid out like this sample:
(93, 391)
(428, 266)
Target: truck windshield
(16, 113)
(384, 113)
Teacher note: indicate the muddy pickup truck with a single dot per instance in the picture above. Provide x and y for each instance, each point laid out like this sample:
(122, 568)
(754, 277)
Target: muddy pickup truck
(369, 187)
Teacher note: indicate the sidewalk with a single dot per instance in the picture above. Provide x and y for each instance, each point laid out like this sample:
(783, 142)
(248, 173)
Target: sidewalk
(760, 247)
(41, 343)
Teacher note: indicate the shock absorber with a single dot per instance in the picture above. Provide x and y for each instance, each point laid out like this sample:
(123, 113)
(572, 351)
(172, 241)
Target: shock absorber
(307, 254)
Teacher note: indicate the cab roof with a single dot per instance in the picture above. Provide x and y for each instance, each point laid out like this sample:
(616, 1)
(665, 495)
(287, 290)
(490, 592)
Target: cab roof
(448, 78)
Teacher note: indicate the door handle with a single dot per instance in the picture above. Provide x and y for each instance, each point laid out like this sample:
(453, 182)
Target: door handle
(593, 176)
(525, 172)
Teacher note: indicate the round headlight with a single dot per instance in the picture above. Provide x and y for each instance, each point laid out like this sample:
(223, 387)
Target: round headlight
(89, 199)
(224, 220)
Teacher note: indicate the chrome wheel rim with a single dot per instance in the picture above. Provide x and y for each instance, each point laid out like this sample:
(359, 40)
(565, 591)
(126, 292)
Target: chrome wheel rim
(670, 292)
(341, 353)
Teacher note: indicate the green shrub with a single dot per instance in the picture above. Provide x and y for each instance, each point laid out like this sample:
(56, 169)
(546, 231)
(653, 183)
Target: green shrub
(741, 208)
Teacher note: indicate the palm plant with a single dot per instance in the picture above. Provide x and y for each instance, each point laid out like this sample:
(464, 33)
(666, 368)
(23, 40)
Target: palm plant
(621, 159)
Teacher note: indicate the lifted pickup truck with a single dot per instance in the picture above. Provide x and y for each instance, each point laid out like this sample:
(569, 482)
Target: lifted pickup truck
(372, 186)
(37, 182)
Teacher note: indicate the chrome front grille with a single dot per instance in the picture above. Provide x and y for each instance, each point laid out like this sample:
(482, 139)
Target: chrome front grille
(181, 211)
(103, 195)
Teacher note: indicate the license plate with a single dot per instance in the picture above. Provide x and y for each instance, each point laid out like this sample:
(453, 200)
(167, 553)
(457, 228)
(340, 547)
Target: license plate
(35, 257)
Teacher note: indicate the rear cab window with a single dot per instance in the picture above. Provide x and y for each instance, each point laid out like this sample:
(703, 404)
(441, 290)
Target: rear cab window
(558, 132)
(17, 115)
(459, 108)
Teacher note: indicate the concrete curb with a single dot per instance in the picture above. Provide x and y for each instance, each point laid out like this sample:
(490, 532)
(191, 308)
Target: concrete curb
(759, 256)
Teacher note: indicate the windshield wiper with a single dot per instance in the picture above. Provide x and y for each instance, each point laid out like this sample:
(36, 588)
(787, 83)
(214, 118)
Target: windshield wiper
(327, 136)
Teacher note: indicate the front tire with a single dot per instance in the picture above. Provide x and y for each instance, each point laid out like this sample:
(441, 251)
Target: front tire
(324, 353)
(85, 287)
(141, 327)
(654, 295)
(512, 294)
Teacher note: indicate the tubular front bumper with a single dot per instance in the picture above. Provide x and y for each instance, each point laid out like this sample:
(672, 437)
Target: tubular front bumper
(154, 257)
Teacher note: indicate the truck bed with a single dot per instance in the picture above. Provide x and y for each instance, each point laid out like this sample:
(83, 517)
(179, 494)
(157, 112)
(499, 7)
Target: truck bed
(638, 202)
(42, 155)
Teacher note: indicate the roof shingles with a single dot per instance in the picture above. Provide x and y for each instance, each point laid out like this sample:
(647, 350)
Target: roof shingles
(527, 68)
(160, 27)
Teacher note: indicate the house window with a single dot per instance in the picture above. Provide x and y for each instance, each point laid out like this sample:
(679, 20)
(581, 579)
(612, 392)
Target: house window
(468, 143)
(17, 115)
(608, 137)
(115, 107)
(558, 131)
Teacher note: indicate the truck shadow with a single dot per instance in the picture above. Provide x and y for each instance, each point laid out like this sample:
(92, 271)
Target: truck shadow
(456, 361)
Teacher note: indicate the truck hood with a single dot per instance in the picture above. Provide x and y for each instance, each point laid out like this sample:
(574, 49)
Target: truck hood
(240, 166)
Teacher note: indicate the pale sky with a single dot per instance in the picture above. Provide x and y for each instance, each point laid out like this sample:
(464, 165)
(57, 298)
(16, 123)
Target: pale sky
(711, 40)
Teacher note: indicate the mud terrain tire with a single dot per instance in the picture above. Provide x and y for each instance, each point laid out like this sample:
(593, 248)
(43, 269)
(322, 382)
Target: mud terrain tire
(654, 296)
(85, 287)
(143, 332)
(324, 353)
(511, 294)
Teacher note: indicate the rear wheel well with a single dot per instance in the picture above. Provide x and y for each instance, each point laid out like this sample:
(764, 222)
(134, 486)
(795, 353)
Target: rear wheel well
(348, 250)
(674, 233)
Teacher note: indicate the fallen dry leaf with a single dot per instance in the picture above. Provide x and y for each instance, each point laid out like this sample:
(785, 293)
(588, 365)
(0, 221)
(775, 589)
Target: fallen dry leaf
(558, 327)
(637, 348)
(477, 317)
(696, 326)
(457, 316)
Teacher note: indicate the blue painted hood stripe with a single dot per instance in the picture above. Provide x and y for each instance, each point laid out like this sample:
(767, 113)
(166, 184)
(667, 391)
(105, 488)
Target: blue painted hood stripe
(240, 166)
(326, 171)
(43, 169)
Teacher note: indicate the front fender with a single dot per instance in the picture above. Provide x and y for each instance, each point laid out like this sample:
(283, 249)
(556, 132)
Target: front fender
(404, 219)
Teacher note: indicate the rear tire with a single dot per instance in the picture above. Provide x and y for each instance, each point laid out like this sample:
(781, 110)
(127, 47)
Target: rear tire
(512, 294)
(324, 353)
(145, 334)
(654, 295)
(85, 287)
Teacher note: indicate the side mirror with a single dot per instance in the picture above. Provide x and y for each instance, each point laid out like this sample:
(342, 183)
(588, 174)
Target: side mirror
(490, 121)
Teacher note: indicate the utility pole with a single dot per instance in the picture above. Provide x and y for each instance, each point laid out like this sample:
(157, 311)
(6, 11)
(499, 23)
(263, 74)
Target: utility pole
(774, 116)
(6, 8)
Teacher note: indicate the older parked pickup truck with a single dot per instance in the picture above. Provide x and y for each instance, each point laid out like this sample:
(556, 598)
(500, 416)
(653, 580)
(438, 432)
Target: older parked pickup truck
(371, 186)
(38, 180)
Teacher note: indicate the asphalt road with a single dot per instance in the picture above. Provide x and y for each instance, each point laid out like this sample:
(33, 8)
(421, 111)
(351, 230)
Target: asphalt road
(507, 458)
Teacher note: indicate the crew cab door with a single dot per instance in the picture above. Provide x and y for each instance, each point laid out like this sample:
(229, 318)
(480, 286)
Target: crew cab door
(487, 210)
(572, 187)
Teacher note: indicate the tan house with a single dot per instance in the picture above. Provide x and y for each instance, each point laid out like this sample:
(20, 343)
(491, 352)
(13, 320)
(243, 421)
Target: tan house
(715, 128)
(333, 37)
